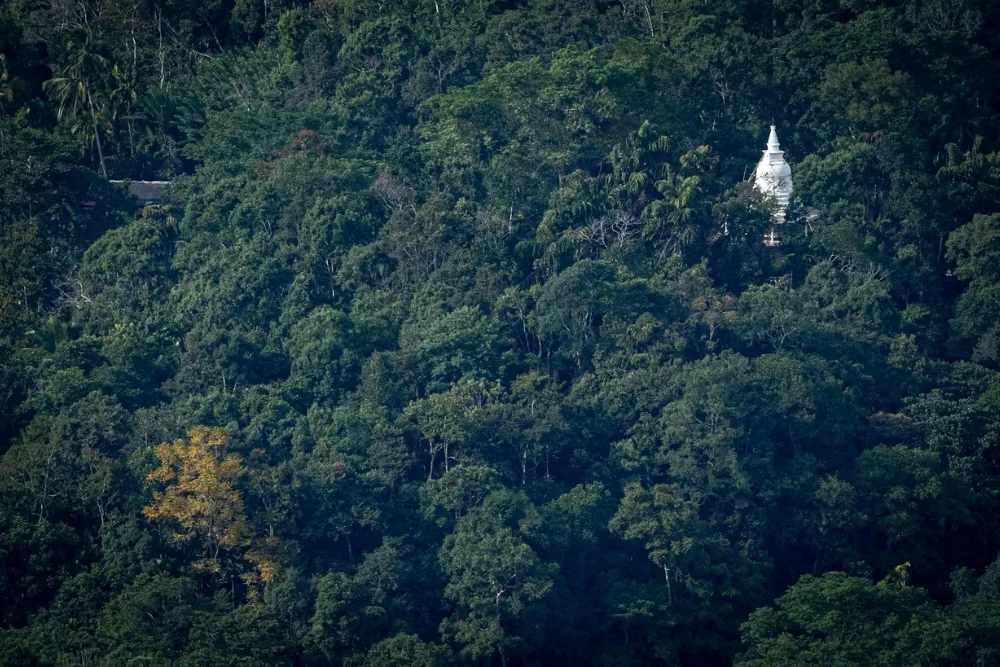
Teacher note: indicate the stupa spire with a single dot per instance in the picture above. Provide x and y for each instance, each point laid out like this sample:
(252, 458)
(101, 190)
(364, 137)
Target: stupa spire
(772, 142)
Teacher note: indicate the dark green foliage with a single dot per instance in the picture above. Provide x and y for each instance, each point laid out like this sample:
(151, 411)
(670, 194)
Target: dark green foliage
(478, 293)
(838, 619)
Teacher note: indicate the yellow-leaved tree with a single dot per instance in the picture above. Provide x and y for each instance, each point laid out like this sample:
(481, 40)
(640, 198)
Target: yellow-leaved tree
(201, 497)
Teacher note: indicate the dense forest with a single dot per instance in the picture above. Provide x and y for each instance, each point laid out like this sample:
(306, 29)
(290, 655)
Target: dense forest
(454, 339)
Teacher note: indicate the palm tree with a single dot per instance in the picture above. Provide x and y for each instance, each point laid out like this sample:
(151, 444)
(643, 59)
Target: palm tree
(8, 88)
(636, 164)
(82, 67)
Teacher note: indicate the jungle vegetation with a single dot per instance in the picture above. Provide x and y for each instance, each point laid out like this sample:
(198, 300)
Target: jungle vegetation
(455, 341)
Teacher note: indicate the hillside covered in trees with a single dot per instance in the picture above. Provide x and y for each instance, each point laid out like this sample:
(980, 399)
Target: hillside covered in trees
(455, 341)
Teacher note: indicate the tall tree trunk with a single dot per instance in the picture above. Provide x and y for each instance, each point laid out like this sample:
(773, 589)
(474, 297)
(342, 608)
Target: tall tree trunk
(159, 50)
(97, 135)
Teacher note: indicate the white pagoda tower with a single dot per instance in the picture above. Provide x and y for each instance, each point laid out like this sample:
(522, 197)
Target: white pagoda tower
(774, 178)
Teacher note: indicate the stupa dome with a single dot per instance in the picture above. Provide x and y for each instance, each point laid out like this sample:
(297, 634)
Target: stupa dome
(774, 176)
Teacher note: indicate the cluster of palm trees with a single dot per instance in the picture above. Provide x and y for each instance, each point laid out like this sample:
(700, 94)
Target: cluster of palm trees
(91, 90)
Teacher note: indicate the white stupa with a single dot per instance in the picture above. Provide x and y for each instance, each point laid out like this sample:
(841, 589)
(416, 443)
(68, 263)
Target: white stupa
(774, 178)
